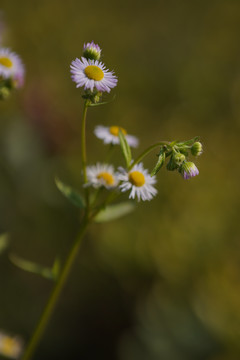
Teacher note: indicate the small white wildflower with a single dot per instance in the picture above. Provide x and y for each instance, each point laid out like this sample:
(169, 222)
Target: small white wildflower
(109, 135)
(101, 175)
(139, 181)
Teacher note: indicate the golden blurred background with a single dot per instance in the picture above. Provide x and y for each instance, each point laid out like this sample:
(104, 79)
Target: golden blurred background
(162, 283)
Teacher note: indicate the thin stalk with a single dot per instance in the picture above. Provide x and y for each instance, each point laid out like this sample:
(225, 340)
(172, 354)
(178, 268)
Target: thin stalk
(83, 140)
(50, 306)
(147, 151)
(84, 152)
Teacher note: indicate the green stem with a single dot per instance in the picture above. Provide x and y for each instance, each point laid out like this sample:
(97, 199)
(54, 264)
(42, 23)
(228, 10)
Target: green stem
(84, 152)
(147, 151)
(83, 139)
(49, 308)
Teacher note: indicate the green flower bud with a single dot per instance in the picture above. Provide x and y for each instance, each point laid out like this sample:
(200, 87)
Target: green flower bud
(196, 149)
(178, 158)
(4, 93)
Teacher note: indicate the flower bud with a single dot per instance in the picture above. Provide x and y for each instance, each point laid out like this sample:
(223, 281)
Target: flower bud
(178, 158)
(196, 149)
(188, 170)
(4, 93)
(91, 51)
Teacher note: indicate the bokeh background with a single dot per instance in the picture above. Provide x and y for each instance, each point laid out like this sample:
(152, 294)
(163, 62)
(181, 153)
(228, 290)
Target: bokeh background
(163, 282)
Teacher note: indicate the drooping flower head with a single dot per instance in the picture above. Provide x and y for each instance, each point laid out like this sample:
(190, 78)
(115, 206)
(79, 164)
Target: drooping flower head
(139, 181)
(11, 67)
(92, 74)
(188, 170)
(101, 175)
(109, 135)
(91, 51)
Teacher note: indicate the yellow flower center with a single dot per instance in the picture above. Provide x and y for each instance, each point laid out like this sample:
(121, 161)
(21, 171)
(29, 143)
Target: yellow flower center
(108, 178)
(6, 62)
(8, 346)
(136, 178)
(114, 130)
(94, 72)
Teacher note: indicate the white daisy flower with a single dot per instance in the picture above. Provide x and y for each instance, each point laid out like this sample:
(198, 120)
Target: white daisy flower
(109, 135)
(10, 346)
(11, 66)
(92, 74)
(139, 181)
(101, 175)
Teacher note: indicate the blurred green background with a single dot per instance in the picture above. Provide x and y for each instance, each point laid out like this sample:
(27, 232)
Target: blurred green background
(164, 282)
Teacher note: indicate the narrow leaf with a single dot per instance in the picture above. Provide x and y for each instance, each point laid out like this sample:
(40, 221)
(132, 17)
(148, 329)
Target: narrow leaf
(113, 212)
(32, 267)
(125, 148)
(159, 164)
(103, 103)
(189, 142)
(72, 195)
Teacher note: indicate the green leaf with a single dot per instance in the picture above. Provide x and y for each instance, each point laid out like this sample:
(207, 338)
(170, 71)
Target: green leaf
(102, 103)
(34, 268)
(113, 212)
(72, 195)
(159, 164)
(4, 241)
(189, 142)
(125, 148)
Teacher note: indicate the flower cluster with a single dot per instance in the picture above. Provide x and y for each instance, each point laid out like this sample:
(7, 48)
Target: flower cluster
(135, 178)
(91, 74)
(178, 153)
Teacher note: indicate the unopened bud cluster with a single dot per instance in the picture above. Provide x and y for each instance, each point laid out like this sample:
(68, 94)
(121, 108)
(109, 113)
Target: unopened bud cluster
(178, 152)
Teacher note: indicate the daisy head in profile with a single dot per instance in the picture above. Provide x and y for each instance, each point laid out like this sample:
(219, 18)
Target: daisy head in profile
(138, 181)
(11, 67)
(109, 135)
(92, 74)
(101, 175)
